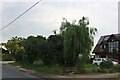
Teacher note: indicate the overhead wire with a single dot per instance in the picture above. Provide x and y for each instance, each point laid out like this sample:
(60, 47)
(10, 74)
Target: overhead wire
(20, 15)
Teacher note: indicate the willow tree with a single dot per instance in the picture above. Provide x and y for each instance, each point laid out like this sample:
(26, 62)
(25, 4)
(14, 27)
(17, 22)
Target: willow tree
(78, 39)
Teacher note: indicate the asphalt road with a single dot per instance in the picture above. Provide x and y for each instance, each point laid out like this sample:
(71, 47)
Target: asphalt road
(12, 72)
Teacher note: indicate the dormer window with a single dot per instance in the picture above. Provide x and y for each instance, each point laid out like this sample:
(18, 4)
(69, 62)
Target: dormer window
(103, 46)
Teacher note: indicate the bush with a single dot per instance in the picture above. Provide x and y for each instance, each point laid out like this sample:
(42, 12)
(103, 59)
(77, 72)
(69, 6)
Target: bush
(18, 57)
(38, 62)
(90, 68)
(7, 57)
(116, 68)
(106, 64)
(96, 69)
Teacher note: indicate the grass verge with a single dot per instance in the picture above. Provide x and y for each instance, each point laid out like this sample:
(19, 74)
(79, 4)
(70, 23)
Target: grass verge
(52, 69)
(57, 70)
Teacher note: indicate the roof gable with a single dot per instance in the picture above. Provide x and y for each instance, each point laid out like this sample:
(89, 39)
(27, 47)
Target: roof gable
(104, 40)
(113, 38)
(107, 37)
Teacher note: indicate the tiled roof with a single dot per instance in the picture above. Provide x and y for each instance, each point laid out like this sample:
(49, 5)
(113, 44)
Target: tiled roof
(105, 38)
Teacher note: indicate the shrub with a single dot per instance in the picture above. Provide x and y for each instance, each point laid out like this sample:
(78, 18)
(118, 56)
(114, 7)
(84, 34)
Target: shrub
(96, 69)
(116, 68)
(38, 62)
(18, 57)
(106, 64)
(90, 68)
(7, 57)
(57, 70)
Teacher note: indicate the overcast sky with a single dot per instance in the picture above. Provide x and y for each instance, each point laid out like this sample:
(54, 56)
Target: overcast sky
(47, 16)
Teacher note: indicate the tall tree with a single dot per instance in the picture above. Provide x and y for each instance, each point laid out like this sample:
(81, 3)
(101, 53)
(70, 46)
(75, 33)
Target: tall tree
(78, 39)
(34, 47)
(54, 52)
(15, 46)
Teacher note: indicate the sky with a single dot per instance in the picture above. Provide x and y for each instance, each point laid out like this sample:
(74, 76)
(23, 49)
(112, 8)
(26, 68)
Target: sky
(47, 16)
(119, 16)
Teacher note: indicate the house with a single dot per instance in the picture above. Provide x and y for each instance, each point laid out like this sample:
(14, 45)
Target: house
(108, 46)
(3, 49)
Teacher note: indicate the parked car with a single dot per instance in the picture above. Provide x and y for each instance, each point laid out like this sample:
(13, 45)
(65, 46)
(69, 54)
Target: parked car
(97, 61)
(115, 60)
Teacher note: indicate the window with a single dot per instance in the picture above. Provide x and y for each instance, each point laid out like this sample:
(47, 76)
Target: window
(113, 46)
(103, 46)
(98, 59)
(106, 38)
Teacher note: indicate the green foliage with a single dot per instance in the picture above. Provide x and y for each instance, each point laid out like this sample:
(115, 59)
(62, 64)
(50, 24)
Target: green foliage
(116, 68)
(18, 57)
(34, 47)
(0, 56)
(7, 57)
(54, 50)
(38, 62)
(78, 39)
(15, 46)
(81, 63)
(52, 69)
(63, 49)
(89, 68)
(106, 64)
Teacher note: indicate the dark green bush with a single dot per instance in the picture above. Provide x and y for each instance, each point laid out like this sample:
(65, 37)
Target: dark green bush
(18, 57)
(89, 68)
(106, 64)
(7, 57)
(116, 68)
(96, 69)
(38, 62)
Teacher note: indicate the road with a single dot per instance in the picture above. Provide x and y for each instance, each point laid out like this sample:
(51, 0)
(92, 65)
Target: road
(9, 71)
